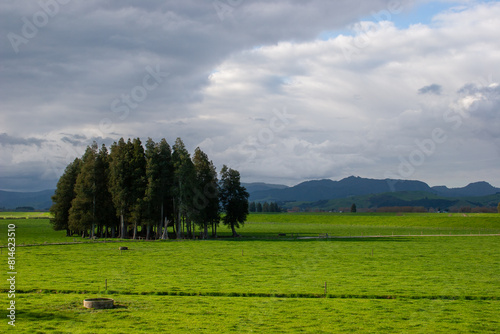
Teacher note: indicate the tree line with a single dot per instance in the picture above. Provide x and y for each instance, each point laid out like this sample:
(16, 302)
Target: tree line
(264, 207)
(131, 191)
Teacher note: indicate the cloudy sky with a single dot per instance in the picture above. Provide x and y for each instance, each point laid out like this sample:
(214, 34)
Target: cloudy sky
(283, 91)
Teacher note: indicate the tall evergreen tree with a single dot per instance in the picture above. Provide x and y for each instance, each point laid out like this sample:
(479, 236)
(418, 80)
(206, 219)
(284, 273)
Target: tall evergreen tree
(120, 182)
(206, 199)
(151, 198)
(184, 185)
(159, 175)
(105, 213)
(258, 207)
(63, 196)
(234, 199)
(138, 184)
(252, 207)
(166, 181)
(82, 212)
(92, 206)
(353, 207)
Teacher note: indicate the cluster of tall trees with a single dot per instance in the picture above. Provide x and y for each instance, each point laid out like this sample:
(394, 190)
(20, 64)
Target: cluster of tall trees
(132, 192)
(264, 207)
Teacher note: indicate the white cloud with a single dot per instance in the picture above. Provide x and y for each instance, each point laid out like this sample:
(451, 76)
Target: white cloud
(371, 100)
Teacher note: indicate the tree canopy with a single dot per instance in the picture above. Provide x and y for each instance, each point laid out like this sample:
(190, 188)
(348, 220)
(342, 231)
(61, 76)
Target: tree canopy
(234, 199)
(139, 191)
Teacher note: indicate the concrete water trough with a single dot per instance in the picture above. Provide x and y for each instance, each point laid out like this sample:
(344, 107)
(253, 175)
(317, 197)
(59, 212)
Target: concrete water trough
(98, 303)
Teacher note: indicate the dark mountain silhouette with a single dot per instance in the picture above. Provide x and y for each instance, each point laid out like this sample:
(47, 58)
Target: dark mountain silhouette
(260, 186)
(398, 199)
(40, 200)
(311, 191)
(324, 190)
(318, 190)
(473, 189)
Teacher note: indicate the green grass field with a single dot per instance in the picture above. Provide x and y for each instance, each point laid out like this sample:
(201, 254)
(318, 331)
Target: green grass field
(310, 224)
(63, 313)
(20, 215)
(261, 283)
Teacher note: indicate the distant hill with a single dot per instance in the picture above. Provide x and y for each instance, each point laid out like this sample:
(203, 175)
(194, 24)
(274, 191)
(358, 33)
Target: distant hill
(327, 194)
(317, 190)
(398, 199)
(473, 189)
(40, 200)
(260, 186)
(373, 193)
(311, 191)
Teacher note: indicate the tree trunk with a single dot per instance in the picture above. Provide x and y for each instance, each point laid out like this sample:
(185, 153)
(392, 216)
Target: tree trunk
(122, 226)
(234, 231)
(135, 229)
(159, 231)
(183, 224)
(205, 231)
(165, 232)
(179, 224)
(189, 232)
(148, 229)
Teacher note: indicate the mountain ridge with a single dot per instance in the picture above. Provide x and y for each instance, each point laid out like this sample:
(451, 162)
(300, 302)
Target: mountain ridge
(326, 189)
(307, 191)
(39, 200)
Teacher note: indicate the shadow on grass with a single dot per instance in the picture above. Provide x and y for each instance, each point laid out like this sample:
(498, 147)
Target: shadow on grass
(37, 316)
(118, 306)
(315, 239)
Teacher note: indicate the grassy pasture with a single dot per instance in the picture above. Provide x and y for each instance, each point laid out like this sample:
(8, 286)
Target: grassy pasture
(260, 283)
(33, 231)
(39, 231)
(63, 313)
(310, 224)
(408, 267)
(21, 215)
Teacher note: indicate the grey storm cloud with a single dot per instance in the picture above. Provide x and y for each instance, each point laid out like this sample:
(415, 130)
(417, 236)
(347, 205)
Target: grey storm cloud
(91, 54)
(6, 139)
(220, 77)
(431, 89)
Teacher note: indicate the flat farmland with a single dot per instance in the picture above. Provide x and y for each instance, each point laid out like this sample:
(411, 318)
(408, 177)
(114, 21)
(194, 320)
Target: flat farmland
(265, 283)
(63, 313)
(359, 224)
